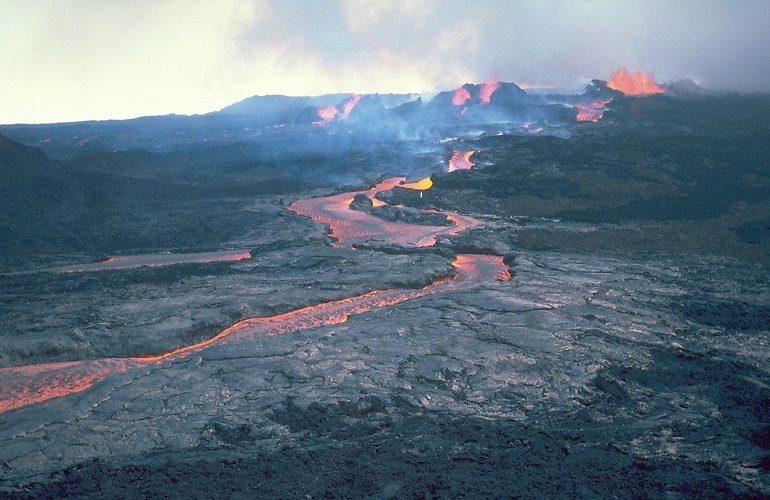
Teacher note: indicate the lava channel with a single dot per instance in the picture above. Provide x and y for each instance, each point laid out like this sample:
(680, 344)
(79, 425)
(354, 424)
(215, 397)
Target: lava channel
(348, 226)
(30, 384)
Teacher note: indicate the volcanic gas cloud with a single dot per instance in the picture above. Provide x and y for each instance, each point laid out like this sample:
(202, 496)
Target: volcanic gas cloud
(636, 83)
(460, 160)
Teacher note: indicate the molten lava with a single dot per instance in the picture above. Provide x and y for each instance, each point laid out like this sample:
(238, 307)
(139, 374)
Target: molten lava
(591, 112)
(636, 83)
(460, 160)
(420, 185)
(348, 106)
(487, 89)
(460, 96)
(327, 113)
(25, 385)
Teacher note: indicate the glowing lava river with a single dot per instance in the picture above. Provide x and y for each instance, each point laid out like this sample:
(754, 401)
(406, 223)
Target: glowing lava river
(29, 384)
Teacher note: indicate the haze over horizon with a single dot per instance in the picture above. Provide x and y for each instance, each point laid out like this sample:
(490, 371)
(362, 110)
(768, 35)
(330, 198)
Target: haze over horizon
(77, 60)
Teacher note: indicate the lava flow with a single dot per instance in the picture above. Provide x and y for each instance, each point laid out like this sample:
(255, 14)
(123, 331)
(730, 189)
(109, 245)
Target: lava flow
(348, 226)
(348, 106)
(460, 160)
(30, 384)
(636, 83)
(420, 185)
(591, 112)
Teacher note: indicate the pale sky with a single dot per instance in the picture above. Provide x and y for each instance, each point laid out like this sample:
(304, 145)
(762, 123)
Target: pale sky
(66, 60)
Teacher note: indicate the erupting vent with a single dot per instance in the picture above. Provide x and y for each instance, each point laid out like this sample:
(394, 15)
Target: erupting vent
(487, 89)
(460, 96)
(460, 160)
(636, 83)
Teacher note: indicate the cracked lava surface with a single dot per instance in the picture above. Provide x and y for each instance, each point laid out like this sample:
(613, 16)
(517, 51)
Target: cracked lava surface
(30, 384)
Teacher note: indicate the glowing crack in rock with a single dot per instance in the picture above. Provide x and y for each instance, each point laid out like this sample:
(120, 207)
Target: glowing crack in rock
(460, 160)
(636, 83)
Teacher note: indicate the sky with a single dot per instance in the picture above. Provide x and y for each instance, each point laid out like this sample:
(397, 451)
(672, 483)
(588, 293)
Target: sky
(69, 60)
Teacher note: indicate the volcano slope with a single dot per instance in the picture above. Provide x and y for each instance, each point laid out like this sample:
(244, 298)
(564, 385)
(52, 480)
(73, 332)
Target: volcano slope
(626, 355)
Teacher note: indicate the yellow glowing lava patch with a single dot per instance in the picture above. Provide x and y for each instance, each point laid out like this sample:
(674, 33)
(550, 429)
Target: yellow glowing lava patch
(420, 185)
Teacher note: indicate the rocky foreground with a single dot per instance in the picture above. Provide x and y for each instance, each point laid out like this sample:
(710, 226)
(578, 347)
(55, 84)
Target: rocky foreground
(626, 355)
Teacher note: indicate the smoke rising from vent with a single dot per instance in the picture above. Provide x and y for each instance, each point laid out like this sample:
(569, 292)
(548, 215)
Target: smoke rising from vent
(76, 59)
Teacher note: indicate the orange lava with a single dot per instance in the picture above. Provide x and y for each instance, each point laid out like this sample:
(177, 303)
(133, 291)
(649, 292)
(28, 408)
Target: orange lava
(326, 113)
(591, 112)
(487, 89)
(636, 83)
(348, 106)
(25, 385)
(460, 160)
(460, 96)
(420, 185)
(349, 227)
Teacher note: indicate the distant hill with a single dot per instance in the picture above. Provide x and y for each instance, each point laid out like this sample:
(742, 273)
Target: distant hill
(278, 104)
(686, 88)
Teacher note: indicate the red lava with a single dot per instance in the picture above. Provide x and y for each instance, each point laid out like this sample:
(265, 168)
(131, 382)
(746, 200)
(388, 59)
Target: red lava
(30, 384)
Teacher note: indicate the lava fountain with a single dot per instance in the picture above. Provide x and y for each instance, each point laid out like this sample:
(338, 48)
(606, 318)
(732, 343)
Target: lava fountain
(487, 89)
(348, 106)
(326, 114)
(460, 96)
(636, 83)
(460, 160)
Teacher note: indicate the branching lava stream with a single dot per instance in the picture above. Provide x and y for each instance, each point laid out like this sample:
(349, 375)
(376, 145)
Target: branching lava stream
(29, 384)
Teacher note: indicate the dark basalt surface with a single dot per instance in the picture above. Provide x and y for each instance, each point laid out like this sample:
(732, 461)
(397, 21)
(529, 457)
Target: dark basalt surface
(627, 356)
